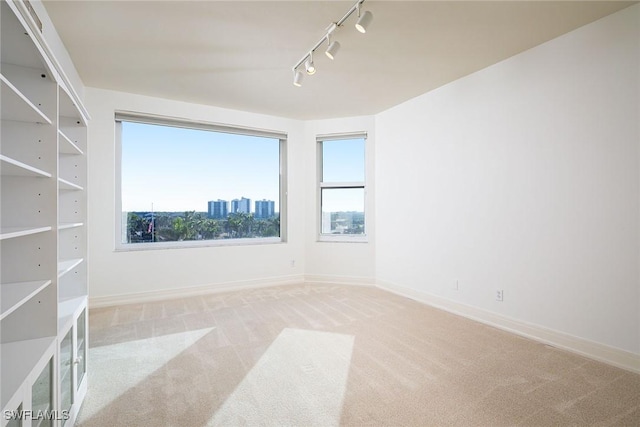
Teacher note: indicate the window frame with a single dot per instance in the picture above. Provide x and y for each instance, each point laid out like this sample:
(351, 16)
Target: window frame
(152, 119)
(346, 238)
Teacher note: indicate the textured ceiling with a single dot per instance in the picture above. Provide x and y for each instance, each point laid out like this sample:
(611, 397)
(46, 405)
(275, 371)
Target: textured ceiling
(239, 54)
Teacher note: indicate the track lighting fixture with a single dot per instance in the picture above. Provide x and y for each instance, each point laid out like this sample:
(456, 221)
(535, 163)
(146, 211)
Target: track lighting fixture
(297, 78)
(364, 20)
(309, 66)
(333, 48)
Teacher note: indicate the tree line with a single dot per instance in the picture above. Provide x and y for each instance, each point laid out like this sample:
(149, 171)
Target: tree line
(192, 225)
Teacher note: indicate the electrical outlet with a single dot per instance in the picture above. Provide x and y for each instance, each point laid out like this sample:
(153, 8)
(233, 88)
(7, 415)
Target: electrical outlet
(499, 295)
(293, 263)
(456, 285)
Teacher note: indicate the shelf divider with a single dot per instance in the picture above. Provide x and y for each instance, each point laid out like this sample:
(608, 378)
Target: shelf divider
(13, 232)
(65, 266)
(63, 184)
(16, 294)
(67, 146)
(16, 106)
(12, 167)
(68, 225)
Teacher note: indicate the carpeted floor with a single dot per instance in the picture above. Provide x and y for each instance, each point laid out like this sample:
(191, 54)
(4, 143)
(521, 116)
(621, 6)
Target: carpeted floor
(335, 355)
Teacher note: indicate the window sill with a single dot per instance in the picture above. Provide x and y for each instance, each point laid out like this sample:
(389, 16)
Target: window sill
(343, 239)
(133, 247)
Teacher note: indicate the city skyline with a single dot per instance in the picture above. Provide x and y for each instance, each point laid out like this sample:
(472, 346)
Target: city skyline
(222, 208)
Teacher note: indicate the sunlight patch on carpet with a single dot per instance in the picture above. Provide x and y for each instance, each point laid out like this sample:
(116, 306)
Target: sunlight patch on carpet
(300, 380)
(117, 368)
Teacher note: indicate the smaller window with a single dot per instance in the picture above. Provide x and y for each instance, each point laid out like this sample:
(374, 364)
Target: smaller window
(342, 187)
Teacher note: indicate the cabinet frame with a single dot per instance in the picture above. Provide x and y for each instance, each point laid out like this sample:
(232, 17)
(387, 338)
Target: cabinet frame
(78, 385)
(22, 398)
(43, 223)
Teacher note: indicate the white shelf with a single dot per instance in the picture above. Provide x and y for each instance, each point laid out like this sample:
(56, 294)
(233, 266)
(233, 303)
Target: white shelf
(18, 360)
(68, 108)
(63, 184)
(13, 232)
(67, 265)
(68, 225)
(15, 294)
(12, 167)
(16, 106)
(67, 146)
(16, 48)
(66, 311)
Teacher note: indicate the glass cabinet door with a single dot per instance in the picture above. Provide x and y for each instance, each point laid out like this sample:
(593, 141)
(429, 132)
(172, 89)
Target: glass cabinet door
(42, 397)
(81, 348)
(66, 363)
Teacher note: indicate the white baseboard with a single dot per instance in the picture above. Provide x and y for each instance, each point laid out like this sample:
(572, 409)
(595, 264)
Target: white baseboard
(160, 295)
(322, 279)
(600, 352)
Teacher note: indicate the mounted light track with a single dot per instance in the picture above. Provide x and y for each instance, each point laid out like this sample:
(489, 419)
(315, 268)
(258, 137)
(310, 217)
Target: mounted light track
(364, 20)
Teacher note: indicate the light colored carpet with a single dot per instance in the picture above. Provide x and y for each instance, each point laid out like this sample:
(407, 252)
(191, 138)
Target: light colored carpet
(335, 355)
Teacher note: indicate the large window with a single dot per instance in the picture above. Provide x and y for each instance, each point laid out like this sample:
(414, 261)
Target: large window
(190, 184)
(342, 188)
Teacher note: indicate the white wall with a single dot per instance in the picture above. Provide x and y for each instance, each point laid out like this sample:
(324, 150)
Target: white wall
(523, 177)
(338, 261)
(120, 273)
(114, 275)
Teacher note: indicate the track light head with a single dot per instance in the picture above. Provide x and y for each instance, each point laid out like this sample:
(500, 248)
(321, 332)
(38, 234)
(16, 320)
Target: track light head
(333, 48)
(364, 21)
(297, 78)
(309, 66)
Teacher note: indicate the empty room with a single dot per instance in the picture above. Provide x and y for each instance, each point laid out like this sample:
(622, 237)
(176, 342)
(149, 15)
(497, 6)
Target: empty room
(320, 213)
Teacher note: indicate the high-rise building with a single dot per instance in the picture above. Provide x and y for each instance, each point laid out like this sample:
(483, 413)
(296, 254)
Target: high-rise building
(241, 206)
(218, 209)
(264, 208)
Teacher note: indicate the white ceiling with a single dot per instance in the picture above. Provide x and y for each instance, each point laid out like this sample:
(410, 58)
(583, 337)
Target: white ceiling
(239, 54)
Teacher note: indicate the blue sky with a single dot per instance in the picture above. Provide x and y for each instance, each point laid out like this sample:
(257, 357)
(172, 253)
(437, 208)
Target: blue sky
(178, 169)
(182, 169)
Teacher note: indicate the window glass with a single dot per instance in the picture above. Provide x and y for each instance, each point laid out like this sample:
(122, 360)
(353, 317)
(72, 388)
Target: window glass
(343, 160)
(343, 210)
(184, 184)
(342, 187)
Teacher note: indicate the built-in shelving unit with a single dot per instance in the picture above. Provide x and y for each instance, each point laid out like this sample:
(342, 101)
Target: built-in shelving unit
(43, 279)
